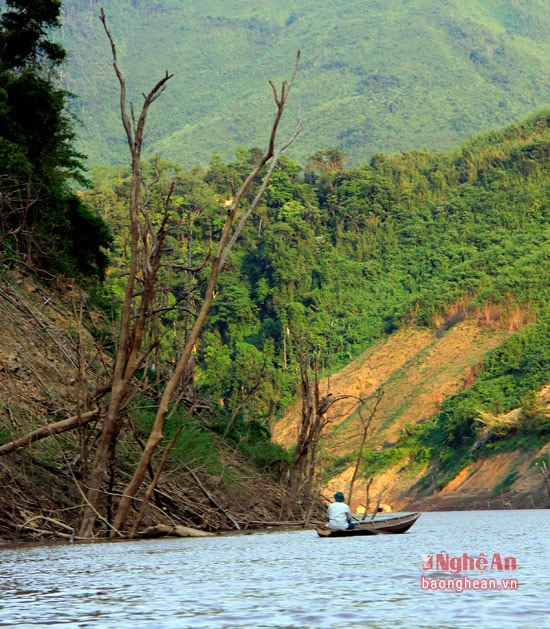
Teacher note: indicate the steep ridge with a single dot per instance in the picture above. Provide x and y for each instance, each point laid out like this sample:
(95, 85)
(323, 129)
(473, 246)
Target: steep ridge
(418, 369)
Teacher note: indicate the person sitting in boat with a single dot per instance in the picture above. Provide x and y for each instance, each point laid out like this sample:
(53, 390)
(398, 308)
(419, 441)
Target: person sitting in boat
(339, 514)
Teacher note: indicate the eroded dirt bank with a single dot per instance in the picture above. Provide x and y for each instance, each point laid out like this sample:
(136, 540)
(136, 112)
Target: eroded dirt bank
(418, 369)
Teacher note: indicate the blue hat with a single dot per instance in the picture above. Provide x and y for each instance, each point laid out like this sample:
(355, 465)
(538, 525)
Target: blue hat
(339, 496)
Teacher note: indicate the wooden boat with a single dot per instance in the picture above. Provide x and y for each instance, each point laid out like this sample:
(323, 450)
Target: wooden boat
(381, 524)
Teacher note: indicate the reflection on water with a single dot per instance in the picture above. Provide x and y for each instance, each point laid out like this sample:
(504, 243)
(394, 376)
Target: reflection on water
(281, 579)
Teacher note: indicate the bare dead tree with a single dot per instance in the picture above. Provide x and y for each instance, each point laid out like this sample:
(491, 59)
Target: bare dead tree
(378, 501)
(146, 244)
(367, 496)
(313, 420)
(135, 341)
(225, 243)
(365, 429)
(129, 354)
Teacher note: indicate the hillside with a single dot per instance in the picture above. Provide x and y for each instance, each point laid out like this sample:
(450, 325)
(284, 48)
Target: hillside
(338, 261)
(429, 269)
(52, 362)
(418, 369)
(374, 77)
(138, 386)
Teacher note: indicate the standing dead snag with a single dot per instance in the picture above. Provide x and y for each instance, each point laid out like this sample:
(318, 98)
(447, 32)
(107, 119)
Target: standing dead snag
(145, 262)
(312, 424)
(225, 243)
(313, 421)
(129, 354)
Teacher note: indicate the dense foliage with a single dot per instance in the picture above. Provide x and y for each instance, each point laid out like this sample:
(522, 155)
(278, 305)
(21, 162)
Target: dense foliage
(375, 76)
(42, 221)
(336, 258)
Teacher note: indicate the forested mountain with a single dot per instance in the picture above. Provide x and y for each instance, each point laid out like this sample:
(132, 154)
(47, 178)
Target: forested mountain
(335, 259)
(375, 76)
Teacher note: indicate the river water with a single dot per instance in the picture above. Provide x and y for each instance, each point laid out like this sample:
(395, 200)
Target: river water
(292, 579)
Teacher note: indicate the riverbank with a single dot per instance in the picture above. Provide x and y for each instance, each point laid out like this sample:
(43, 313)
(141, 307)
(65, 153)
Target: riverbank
(48, 331)
(54, 357)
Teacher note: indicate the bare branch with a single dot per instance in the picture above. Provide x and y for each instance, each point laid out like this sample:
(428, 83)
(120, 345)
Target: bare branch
(260, 192)
(222, 250)
(281, 102)
(365, 427)
(49, 430)
(153, 483)
(134, 131)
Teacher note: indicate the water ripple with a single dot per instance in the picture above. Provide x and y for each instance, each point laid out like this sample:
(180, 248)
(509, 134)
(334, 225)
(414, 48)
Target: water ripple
(284, 579)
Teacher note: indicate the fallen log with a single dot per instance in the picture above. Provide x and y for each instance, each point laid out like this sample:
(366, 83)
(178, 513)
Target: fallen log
(169, 530)
(277, 522)
(49, 430)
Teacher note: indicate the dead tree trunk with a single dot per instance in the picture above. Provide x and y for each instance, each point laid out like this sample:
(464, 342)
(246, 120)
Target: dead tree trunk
(225, 243)
(129, 356)
(313, 422)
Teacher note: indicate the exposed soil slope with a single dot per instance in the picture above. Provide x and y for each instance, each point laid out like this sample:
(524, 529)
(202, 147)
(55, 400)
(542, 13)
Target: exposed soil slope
(418, 369)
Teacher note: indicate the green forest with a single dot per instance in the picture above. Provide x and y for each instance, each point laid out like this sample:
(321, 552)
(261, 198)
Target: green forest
(336, 258)
(332, 258)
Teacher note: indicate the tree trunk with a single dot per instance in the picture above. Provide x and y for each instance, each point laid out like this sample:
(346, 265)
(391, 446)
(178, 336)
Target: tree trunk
(128, 360)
